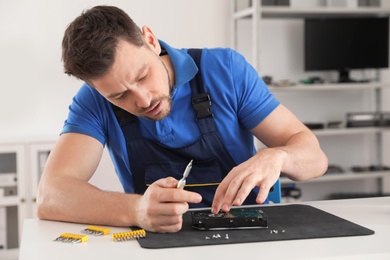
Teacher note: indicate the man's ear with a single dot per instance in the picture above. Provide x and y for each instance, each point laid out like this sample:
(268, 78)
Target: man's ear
(151, 39)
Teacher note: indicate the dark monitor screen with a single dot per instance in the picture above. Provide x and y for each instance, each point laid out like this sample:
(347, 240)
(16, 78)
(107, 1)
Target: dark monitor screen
(343, 44)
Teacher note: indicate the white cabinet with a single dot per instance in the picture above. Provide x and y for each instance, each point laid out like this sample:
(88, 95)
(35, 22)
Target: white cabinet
(12, 193)
(21, 165)
(345, 147)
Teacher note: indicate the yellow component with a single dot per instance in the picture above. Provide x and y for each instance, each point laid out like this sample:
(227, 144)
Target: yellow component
(75, 238)
(128, 235)
(96, 230)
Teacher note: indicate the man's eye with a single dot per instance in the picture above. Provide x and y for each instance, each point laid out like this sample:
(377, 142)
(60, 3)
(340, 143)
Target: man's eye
(142, 78)
(119, 96)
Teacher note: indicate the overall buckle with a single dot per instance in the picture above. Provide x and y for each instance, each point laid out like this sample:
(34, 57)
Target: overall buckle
(201, 103)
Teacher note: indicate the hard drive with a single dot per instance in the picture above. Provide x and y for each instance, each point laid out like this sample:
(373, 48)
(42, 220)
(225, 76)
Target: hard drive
(235, 218)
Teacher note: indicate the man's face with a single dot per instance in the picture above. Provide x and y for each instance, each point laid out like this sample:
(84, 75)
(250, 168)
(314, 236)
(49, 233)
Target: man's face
(138, 82)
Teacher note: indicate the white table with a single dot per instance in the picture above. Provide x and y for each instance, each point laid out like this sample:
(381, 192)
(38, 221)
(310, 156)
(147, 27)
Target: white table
(373, 213)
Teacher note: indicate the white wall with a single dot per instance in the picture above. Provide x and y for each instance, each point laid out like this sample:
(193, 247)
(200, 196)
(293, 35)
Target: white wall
(35, 93)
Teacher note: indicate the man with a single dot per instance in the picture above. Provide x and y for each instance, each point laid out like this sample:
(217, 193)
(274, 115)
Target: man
(146, 102)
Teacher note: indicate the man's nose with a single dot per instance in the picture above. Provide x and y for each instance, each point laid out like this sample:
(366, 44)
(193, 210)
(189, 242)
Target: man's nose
(143, 98)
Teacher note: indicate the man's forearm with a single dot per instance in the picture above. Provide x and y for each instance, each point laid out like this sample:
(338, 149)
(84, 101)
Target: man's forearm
(305, 159)
(72, 200)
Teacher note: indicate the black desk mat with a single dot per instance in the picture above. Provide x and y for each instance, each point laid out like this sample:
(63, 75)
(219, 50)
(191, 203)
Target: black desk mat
(285, 222)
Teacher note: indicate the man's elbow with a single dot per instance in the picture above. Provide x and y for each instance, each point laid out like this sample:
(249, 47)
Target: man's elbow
(315, 169)
(43, 204)
(41, 213)
(322, 165)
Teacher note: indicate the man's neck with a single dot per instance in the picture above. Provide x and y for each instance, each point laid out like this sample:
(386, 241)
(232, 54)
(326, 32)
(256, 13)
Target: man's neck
(167, 61)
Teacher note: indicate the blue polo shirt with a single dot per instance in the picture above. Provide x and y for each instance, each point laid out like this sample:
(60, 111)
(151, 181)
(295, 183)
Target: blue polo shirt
(240, 101)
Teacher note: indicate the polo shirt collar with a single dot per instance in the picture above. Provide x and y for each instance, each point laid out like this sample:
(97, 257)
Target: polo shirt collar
(184, 66)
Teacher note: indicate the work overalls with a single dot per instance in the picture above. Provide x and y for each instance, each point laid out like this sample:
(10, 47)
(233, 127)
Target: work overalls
(150, 161)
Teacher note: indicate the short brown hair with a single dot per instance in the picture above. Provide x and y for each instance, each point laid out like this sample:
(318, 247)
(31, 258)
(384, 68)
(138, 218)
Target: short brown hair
(90, 41)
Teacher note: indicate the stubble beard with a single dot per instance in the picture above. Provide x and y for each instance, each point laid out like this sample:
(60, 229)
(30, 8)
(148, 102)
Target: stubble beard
(165, 98)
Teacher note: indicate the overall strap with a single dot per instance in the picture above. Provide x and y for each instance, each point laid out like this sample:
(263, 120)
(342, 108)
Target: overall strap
(127, 122)
(201, 101)
(123, 116)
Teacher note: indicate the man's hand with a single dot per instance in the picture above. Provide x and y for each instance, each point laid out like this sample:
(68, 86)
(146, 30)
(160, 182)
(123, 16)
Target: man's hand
(161, 207)
(262, 170)
(293, 150)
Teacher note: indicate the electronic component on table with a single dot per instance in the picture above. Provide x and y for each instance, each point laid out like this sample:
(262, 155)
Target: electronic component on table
(72, 238)
(128, 235)
(235, 218)
(96, 231)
